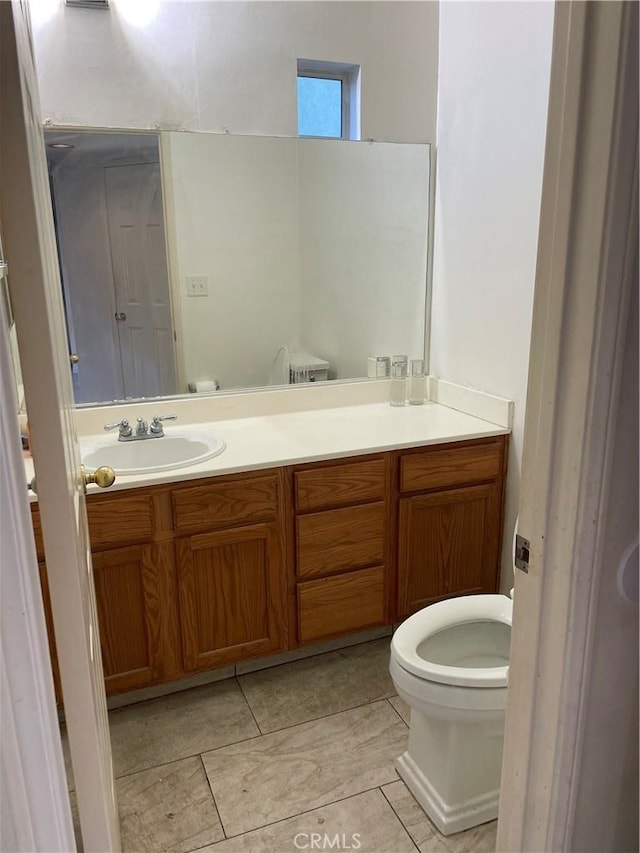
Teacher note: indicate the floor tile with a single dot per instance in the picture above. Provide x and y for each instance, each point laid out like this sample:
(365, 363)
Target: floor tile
(401, 707)
(168, 808)
(179, 725)
(285, 773)
(365, 822)
(480, 839)
(325, 684)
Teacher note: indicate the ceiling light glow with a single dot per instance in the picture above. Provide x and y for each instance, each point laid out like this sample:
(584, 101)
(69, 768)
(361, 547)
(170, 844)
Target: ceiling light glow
(43, 10)
(137, 12)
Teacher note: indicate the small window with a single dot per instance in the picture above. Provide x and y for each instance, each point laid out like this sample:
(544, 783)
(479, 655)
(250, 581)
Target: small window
(328, 99)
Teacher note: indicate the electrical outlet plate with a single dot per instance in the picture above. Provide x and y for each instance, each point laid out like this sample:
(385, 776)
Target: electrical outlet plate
(197, 285)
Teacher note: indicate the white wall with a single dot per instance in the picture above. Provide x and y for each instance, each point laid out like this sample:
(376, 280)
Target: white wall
(492, 104)
(232, 65)
(364, 213)
(233, 216)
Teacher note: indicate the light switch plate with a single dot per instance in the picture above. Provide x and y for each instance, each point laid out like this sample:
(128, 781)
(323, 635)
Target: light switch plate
(197, 285)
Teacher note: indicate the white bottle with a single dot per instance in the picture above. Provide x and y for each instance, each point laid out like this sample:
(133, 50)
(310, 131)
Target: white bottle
(417, 383)
(398, 384)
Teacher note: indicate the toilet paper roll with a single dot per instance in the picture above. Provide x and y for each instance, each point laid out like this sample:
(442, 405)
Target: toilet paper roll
(205, 386)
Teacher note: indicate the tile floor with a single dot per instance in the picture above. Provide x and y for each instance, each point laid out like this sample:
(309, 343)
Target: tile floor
(259, 762)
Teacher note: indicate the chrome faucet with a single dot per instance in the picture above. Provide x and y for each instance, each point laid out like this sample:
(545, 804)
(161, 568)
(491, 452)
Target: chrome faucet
(124, 432)
(143, 429)
(155, 427)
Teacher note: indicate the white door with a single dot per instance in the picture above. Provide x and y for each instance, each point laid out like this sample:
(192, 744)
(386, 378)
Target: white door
(139, 259)
(37, 301)
(564, 786)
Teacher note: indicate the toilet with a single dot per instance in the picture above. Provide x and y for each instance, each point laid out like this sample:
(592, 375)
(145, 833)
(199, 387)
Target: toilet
(450, 664)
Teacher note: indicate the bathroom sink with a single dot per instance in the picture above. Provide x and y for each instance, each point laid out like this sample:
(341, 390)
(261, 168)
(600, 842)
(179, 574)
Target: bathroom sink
(172, 450)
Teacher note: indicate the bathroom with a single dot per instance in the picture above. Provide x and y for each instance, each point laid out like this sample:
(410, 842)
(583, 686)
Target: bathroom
(485, 66)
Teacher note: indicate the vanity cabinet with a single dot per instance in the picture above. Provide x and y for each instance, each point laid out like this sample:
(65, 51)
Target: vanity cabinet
(202, 574)
(450, 519)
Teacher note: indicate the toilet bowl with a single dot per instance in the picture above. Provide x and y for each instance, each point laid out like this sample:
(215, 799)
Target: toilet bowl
(450, 664)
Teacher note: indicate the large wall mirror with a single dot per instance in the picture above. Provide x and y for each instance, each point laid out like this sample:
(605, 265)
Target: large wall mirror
(203, 261)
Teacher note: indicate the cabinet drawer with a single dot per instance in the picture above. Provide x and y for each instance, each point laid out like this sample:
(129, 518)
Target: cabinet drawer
(119, 520)
(340, 484)
(220, 504)
(450, 466)
(340, 539)
(113, 520)
(337, 605)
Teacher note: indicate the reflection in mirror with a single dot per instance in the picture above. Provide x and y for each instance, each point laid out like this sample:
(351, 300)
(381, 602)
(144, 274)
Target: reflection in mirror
(8, 328)
(203, 261)
(108, 210)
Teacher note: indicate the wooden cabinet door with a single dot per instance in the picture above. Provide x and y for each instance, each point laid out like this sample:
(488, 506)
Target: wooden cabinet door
(232, 595)
(448, 545)
(129, 616)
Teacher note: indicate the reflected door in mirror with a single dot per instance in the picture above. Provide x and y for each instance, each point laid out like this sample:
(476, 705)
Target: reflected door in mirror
(141, 283)
(109, 214)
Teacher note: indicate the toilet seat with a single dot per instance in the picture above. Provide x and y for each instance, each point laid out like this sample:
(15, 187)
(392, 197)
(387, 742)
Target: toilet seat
(447, 614)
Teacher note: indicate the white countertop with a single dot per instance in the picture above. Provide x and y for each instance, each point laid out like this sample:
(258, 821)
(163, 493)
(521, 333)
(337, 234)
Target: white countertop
(271, 441)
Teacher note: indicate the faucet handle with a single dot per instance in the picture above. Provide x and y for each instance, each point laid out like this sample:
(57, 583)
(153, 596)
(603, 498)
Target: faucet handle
(156, 424)
(125, 429)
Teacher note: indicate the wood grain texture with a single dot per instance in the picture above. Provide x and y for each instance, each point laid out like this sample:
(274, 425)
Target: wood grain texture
(448, 545)
(338, 605)
(287, 528)
(37, 531)
(340, 539)
(168, 636)
(129, 616)
(162, 508)
(231, 595)
(229, 501)
(391, 559)
(328, 486)
(116, 520)
(48, 617)
(445, 466)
